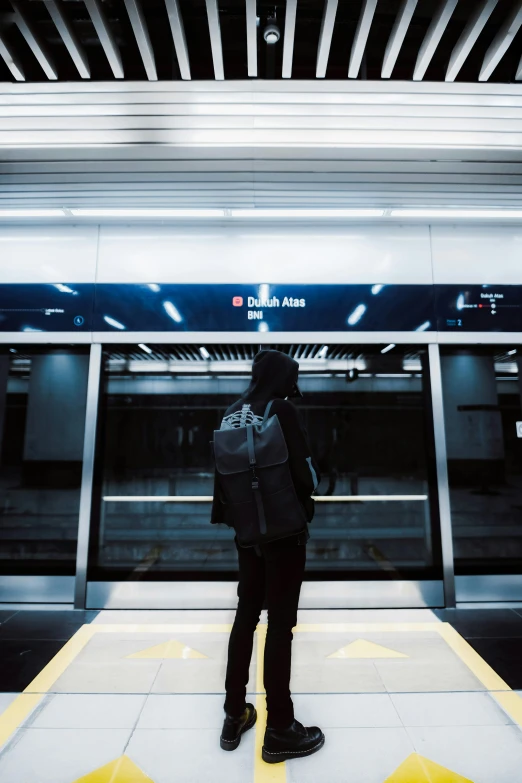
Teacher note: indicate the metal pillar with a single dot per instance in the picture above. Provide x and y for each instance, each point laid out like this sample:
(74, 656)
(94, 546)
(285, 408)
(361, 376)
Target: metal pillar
(448, 566)
(89, 446)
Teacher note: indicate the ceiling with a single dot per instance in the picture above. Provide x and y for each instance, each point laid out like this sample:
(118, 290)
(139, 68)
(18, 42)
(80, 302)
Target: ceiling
(103, 40)
(181, 103)
(251, 144)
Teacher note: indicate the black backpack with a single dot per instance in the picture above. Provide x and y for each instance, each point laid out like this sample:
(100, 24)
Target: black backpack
(258, 494)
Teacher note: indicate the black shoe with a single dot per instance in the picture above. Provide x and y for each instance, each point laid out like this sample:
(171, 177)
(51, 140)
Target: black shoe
(233, 728)
(291, 743)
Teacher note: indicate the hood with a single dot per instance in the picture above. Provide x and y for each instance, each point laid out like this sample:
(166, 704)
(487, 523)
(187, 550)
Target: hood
(274, 375)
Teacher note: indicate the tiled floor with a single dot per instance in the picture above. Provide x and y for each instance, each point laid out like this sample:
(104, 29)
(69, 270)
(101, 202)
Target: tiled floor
(111, 712)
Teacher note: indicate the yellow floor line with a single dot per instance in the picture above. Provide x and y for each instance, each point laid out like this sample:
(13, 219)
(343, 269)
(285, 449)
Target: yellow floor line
(14, 716)
(482, 670)
(510, 703)
(263, 772)
(16, 713)
(161, 628)
(366, 627)
(44, 681)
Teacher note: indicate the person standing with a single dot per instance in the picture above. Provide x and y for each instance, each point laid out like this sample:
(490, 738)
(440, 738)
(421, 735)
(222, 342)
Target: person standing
(270, 571)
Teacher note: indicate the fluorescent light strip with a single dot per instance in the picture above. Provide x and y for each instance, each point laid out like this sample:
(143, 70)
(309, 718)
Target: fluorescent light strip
(33, 213)
(457, 213)
(305, 213)
(252, 214)
(209, 498)
(148, 213)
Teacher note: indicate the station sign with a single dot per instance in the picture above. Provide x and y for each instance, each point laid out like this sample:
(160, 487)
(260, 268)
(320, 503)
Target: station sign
(176, 307)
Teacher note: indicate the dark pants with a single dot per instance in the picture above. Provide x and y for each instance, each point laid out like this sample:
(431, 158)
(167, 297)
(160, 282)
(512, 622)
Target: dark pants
(276, 575)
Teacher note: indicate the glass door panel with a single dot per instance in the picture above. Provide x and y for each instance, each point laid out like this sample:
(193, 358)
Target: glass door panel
(43, 393)
(368, 415)
(482, 409)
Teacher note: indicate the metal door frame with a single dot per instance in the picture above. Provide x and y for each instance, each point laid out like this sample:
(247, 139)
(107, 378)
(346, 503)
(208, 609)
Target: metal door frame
(89, 453)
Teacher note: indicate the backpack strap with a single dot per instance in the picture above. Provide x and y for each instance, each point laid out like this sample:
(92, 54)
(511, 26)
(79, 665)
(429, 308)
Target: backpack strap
(267, 411)
(255, 482)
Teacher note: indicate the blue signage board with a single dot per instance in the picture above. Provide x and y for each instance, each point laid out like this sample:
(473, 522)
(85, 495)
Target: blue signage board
(44, 307)
(164, 307)
(274, 308)
(479, 308)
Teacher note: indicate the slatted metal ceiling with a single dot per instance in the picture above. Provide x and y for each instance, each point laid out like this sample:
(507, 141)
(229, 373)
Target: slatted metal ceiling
(310, 356)
(231, 352)
(436, 40)
(237, 358)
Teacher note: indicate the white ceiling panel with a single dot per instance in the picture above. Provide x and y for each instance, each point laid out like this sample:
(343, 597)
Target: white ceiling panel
(260, 144)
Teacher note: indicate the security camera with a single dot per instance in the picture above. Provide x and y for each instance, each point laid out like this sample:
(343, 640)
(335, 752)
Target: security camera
(271, 34)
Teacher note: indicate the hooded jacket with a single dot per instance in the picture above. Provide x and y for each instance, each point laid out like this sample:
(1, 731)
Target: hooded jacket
(274, 377)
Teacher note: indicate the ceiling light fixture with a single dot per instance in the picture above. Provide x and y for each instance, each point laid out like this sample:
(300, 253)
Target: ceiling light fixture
(148, 213)
(31, 213)
(305, 213)
(449, 214)
(226, 213)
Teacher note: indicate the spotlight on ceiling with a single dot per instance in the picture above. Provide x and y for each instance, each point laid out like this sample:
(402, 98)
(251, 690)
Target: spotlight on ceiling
(271, 34)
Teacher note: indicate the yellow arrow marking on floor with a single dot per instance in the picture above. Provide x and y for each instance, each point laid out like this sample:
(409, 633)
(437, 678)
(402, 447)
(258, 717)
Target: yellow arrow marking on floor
(417, 769)
(172, 649)
(122, 770)
(363, 649)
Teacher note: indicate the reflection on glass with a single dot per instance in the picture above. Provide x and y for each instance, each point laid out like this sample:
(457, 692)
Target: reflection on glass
(367, 415)
(42, 419)
(482, 406)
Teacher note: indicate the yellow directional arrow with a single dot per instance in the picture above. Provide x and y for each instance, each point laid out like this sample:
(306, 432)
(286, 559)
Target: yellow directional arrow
(172, 649)
(417, 769)
(363, 649)
(122, 770)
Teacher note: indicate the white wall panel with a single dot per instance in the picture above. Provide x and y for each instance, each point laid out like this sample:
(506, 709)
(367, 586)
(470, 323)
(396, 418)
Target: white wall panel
(48, 254)
(477, 254)
(275, 254)
(245, 253)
